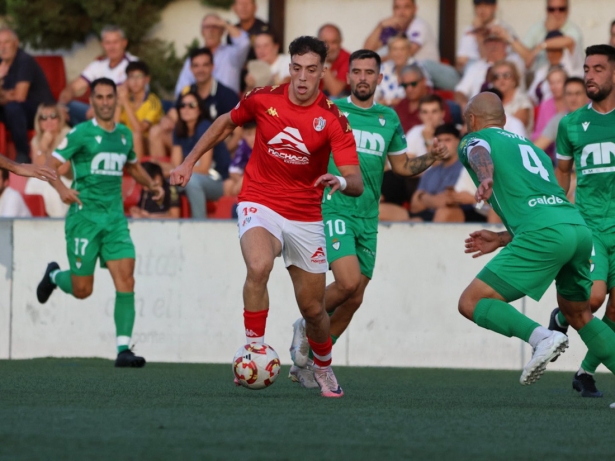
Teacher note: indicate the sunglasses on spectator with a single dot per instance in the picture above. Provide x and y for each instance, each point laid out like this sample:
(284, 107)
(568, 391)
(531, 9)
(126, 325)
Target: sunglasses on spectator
(192, 105)
(504, 75)
(46, 117)
(412, 84)
(553, 9)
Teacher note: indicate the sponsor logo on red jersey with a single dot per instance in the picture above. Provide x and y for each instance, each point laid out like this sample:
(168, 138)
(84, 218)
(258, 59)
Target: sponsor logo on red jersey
(289, 147)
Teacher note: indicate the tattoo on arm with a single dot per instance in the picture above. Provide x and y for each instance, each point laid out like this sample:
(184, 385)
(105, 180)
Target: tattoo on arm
(417, 165)
(505, 238)
(481, 163)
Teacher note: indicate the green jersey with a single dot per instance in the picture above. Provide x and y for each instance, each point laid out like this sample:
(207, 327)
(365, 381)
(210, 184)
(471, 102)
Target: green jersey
(526, 195)
(377, 132)
(98, 157)
(588, 137)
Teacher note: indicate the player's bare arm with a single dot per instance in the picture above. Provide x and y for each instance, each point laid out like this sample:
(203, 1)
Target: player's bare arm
(350, 183)
(222, 127)
(140, 175)
(407, 166)
(43, 173)
(482, 164)
(563, 173)
(67, 195)
(484, 241)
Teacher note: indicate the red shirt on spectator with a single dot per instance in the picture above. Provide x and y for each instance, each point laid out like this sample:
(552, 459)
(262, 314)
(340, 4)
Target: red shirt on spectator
(339, 68)
(291, 150)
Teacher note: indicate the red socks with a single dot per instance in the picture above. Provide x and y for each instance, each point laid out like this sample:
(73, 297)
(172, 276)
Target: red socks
(322, 352)
(254, 323)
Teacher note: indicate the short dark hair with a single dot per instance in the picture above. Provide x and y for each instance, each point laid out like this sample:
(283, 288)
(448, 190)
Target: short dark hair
(578, 80)
(365, 54)
(447, 128)
(200, 52)
(602, 50)
(307, 44)
(495, 91)
(103, 81)
(5, 174)
(153, 169)
(134, 66)
(430, 98)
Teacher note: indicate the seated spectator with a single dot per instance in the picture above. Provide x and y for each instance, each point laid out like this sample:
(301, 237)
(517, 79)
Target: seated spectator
(50, 129)
(475, 77)
(431, 113)
(112, 66)
(12, 204)
(334, 82)
(556, 57)
(245, 10)
(504, 76)
(267, 49)
(24, 87)
(205, 183)
(217, 98)
(470, 47)
(167, 208)
(552, 105)
(574, 98)
(227, 58)
(258, 75)
(137, 108)
(232, 186)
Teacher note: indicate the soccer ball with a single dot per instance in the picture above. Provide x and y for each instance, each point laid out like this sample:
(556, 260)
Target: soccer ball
(256, 365)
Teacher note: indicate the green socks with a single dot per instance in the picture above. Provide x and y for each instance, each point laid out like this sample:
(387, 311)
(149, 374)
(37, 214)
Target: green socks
(63, 280)
(501, 317)
(124, 316)
(599, 337)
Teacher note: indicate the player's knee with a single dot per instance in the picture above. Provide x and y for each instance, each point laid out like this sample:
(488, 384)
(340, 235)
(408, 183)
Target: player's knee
(82, 292)
(348, 287)
(258, 271)
(466, 306)
(596, 301)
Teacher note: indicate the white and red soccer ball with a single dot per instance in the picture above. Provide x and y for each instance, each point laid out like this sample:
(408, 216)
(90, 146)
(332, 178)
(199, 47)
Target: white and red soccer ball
(256, 365)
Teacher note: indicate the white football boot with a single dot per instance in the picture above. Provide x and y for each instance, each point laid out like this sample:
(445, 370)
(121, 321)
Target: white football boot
(304, 376)
(300, 348)
(546, 350)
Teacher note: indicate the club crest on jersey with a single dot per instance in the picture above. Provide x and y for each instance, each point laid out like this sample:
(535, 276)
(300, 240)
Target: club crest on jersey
(336, 244)
(319, 124)
(123, 140)
(98, 139)
(381, 120)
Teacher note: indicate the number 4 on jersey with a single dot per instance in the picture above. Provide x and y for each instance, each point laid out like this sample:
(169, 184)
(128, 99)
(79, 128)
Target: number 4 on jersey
(529, 156)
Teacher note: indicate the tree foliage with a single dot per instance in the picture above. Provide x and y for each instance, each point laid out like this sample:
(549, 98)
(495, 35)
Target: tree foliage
(226, 4)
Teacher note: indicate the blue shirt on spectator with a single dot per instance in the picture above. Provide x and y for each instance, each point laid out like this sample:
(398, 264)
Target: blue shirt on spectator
(439, 177)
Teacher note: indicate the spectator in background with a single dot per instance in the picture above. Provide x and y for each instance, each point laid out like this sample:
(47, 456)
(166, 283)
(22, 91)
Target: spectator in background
(138, 108)
(334, 82)
(494, 49)
(431, 113)
(232, 186)
(227, 58)
(166, 208)
(504, 76)
(24, 87)
(554, 104)
(12, 204)
(248, 22)
(258, 75)
(470, 47)
(217, 99)
(267, 49)
(533, 47)
(113, 66)
(50, 130)
(205, 183)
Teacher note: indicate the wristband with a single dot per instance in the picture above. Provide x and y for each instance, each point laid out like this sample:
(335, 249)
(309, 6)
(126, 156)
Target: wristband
(342, 181)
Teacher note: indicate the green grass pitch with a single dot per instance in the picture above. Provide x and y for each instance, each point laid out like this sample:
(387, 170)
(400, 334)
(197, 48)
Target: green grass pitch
(84, 409)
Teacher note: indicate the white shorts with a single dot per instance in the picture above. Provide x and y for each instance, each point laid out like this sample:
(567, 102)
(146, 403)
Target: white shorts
(303, 243)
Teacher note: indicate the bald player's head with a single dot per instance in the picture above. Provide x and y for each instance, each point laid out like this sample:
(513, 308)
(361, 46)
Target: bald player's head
(484, 110)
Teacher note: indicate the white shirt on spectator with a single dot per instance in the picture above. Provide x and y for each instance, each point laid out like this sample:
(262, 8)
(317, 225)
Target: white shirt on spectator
(537, 34)
(280, 69)
(12, 205)
(468, 45)
(421, 33)
(415, 140)
(475, 75)
(101, 68)
(514, 125)
(54, 206)
(540, 77)
(521, 101)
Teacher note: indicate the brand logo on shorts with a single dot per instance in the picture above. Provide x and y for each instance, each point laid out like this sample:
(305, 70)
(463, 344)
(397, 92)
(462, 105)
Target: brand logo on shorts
(319, 124)
(319, 256)
(544, 200)
(336, 244)
(288, 146)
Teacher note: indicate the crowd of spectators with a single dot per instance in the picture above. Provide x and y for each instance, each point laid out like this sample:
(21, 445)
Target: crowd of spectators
(538, 78)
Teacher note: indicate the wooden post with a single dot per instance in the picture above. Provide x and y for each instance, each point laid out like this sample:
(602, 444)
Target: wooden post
(277, 22)
(448, 30)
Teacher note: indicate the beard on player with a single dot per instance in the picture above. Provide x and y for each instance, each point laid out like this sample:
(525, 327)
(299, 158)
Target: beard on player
(598, 93)
(362, 91)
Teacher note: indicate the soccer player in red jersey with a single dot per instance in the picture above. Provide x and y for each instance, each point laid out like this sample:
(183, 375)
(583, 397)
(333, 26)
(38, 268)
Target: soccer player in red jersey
(279, 209)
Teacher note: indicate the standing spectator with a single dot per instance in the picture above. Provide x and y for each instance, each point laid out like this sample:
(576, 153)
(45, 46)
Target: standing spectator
(205, 183)
(50, 129)
(505, 78)
(217, 99)
(24, 87)
(431, 113)
(137, 107)
(554, 104)
(12, 204)
(228, 59)
(166, 208)
(232, 186)
(267, 49)
(338, 59)
(112, 66)
(246, 12)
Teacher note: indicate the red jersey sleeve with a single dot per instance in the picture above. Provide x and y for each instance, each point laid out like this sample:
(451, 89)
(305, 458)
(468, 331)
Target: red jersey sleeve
(245, 109)
(342, 143)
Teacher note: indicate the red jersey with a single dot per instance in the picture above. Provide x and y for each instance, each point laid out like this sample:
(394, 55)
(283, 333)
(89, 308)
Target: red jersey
(291, 150)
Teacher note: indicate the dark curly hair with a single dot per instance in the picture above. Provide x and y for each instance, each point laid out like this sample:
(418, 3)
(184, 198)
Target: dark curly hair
(307, 44)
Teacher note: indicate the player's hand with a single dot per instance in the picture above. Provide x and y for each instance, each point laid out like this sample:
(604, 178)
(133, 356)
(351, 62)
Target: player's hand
(482, 242)
(157, 193)
(484, 191)
(180, 175)
(44, 173)
(328, 180)
(439, 150)
(70, 196)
